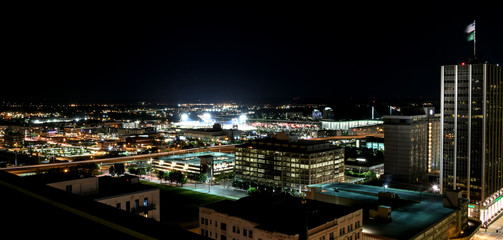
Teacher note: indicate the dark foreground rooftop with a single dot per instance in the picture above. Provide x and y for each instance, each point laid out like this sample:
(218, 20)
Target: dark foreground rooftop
(36, 211)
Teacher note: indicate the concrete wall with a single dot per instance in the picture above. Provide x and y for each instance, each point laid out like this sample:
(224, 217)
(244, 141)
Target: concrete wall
(152, 196)
(348, 224)
(81, 187)
(210, 223)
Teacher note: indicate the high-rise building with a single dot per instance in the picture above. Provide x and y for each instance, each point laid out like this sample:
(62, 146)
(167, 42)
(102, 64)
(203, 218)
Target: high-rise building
(286, 162)
(472, 130)
(412, 142)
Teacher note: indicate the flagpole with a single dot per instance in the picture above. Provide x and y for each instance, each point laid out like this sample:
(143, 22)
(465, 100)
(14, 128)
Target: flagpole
(474, 40)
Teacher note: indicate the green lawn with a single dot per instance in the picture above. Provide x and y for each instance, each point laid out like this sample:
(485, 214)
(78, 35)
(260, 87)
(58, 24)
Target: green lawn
(181, 206)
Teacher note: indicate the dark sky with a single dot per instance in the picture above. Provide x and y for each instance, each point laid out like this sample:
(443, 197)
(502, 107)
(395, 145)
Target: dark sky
(181, 53)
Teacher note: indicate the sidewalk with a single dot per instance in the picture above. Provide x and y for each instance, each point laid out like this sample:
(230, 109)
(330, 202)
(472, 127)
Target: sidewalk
(490, 232)
(214, 189)
(219, 190)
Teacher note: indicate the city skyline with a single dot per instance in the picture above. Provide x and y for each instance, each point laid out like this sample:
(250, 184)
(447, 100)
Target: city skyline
(197, 121)
(207, 53)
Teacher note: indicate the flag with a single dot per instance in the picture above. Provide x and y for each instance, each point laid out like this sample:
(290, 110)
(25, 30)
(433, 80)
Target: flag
(471, 37)
(470, 28)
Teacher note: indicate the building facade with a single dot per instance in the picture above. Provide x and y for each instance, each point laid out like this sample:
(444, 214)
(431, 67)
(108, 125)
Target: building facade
(472, 130)
(211, 163)
(348, 125)
(279, 217)
(286, 162)
(328, 113)
(216, 133)
(412, 146)
(362, 165)
(14, 139)
(81, 186)
(125, 193)
(144, 202)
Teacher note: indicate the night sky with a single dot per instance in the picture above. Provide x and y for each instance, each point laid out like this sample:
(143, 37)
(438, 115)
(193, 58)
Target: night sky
(243, 53)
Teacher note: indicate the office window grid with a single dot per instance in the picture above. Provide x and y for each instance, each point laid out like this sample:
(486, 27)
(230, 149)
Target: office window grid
(288, 169)
(473, 131)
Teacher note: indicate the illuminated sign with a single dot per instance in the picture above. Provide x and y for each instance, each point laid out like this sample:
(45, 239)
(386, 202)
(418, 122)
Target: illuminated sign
(471, 206)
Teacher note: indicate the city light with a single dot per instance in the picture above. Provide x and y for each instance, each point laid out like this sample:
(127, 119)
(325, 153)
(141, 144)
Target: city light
(206, 117)
(242, 119)
(185, 117)
(299, 125)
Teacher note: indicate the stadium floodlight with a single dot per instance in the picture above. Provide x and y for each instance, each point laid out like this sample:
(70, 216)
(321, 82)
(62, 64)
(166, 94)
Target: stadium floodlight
(243, 118)
(185, 117)
(206, 117)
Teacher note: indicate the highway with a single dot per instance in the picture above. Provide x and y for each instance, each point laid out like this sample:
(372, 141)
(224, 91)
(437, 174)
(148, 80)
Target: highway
(34, 168)
(377, 135)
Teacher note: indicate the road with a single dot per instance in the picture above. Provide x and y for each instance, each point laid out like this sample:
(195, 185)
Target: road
(377, 135)
(221, 189)
(33, 168)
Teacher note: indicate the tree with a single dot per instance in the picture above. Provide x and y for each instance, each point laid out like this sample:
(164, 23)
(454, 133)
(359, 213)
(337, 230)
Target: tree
(92, 168)
(148, 169)
(112, 171)
(370, 175)
(133, 170)
(183, 180)
(160, 175)
(141, 171)
(203, 177)
(171, 176)
(178, 177)
(224, 176)
(165, 176)
(119, 168)
(252, 191)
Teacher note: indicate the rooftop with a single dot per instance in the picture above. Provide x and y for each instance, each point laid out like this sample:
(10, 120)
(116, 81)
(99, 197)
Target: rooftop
(366, 163)
(108, 186)
(195, 158)
(114, 186)
(412, 213)
(56, 176)
(281, 213)
(289, 145)
(46, 212)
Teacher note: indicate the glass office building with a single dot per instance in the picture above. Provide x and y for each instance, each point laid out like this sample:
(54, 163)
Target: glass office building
(412, 143)
(283, 161)
(472, 130)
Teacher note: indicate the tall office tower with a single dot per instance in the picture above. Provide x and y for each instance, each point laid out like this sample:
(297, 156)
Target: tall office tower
(472, 130)
(286, 162)
(412, 143)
